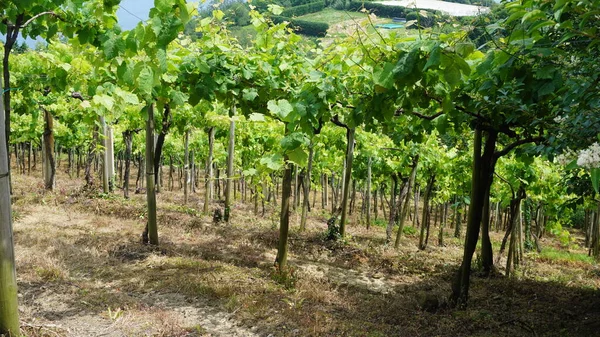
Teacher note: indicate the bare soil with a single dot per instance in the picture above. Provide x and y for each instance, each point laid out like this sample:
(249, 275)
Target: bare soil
(83, 271)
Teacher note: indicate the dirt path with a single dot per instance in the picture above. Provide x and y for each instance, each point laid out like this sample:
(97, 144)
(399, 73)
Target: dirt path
(60, 306)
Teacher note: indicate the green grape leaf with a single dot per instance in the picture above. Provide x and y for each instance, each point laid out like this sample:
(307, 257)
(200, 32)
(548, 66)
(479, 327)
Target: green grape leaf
(293, 141)
(125, 73)
(281, 108)
(256, 117)
(161, 56)
(113, 46)
(126, 96)
(298, 156)
(250, 172)
(145, 81)
(434, 58)
(203, 67)
(131, 42)
(104, 100)
(274, 162)
(249, 94)
(169, 78)
(464, 48)
(163, 5)
(452, 76)
(178, 98)
(406, 63)
(384, 77)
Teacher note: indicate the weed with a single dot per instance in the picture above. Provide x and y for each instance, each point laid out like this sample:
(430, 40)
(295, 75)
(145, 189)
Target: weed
(409, 230)
(114, 315)
(295, 302)
(50, 273)
(287, 277)
(551, 254)
(16, 215)
(233, 303)
(380, 223)
(333, 230)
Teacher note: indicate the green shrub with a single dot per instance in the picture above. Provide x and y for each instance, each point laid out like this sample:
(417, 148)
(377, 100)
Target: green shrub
(312, 7)
(378, 9)
(296, 3)
(563, 235)
(304, 27)
(333, 230)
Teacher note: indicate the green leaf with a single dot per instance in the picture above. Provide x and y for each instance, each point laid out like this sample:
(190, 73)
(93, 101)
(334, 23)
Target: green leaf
(447, 104)
(104, 100)
(161, 56)
(249, 94)
(256, 117)
(462, 65)
(131, 42)
(546, 89)
(169, 78)
(140, 34)
(452, 76)
(125, 73)
(145, 81)
(595, 174)
(463, 49)
(384, 77)
(293, 141)
(218, 14)
(274, 162)
(113, 46)
(545, 73)
(281, 108)
(250, 172)
(406, 63)
(126, 96)
(275, 9)
(434, 58)
(572, 165)
(298, 157)
(163, 5)
(178, 98)
(203, 67)
(442, 124)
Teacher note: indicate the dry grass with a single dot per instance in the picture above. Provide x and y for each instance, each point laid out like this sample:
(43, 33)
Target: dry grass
(82, 271)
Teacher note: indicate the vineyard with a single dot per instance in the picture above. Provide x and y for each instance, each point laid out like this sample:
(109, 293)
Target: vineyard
(258, 169)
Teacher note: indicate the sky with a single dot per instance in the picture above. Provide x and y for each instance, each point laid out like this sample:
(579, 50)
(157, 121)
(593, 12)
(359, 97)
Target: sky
(130, 12)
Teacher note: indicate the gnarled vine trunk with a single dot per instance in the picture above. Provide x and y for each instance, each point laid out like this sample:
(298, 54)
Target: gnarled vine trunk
(208, 185)
(230, 152)
(348, 173)
(284, 218)
(151, 232)
(49, 162)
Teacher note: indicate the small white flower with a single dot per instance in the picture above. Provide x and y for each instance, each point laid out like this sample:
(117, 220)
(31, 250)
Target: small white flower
(589, 158)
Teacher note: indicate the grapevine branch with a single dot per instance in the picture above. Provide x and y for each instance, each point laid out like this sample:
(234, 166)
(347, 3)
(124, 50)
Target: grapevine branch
(336, 120)
(432, 117)
(513, 145)
(33, 18)
(77, 95)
